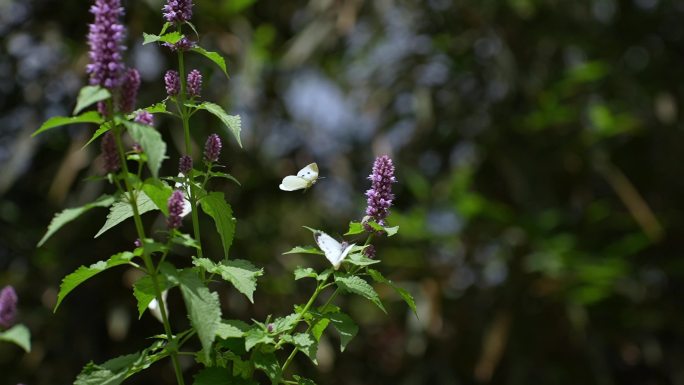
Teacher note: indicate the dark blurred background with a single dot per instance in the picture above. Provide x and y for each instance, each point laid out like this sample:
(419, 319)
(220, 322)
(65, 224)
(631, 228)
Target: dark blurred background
(538, 146)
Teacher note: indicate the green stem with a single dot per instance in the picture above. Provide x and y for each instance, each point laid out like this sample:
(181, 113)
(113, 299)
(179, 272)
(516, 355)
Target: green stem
(147, 259)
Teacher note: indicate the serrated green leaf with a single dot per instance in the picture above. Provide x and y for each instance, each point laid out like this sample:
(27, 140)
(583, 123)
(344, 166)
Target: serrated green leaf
(71, 281)
(224, 175)
(319, 327)
(355, 228)
(58, 121)
(171, 38)
(305, 250)
(185, 240)
(345, 326)
(159, 193)
(115, 371)
(267, 363)
(391, 230)
(306, 343)
(220, 211)
(122, 210)
(104, 127)
(213, 56)
(233, 122)
(302, 272)
(220, 376)
(284, 324)
(356, 285)
(18, 335)
(405, 295)
(151, 142)
(359, 259)
(143, 291)
(157, 108)
(303, 381)
(255, 336)
(204, 309)
(71, 214)
(90, 95)
(242, 274)
(231, 329)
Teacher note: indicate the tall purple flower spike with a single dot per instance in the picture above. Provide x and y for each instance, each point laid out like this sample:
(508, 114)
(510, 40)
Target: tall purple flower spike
(110, 153)
(212, 148)
(172, 82)
(105, 39)
(8, 307)
(194, 83)
(380, 195)
(129, 90)
(178, 11)
(185, 164)
(175, 204)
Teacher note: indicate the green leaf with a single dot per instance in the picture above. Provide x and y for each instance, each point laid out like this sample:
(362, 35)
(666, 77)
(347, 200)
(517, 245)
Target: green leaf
(104, 127)
(71, 281)
(356, 285)
(90, 95)
(157, 108)
(214, 174)
(302, 380)
(284, 324)
(220, 211)
(204, 309)
(231, 329)
(301, 272)
(305, 250)
(171, 38)
(58, 121)
(242, 274)
(355, 228)
(159, 193)
(122, 210)
(233, 122)
(220, 376)
(319, 327)
(268, 363)
(306, 343)
(390, 231)
(151, 142)
(115, 371)
(185, 240)
(255, 336)
(405, 295)
(213, 56)
(18, 335)
(143, 291)
(359, 259)
(345, 326)
(69, 215)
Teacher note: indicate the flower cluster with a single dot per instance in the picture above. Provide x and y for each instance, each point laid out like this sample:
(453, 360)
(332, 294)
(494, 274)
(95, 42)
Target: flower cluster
(129, 90)
(8, 307)
(178, 11)
(172, 82)
(144, 117)
(184, 44)
(105, 39)
(110, 153)
(380, 194)
(212, 148)
(175, 205)
(185, 164)
(194, 83)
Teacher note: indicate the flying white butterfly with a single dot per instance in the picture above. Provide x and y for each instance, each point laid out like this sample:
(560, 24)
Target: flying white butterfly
(334, 251)
(304, 179)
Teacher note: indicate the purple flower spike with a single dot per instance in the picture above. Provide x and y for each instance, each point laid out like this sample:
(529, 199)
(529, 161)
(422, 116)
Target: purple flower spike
(380, 194)
(110, 153)
(175, 205)
(172, 82)
(8, 307)
(212, 148)
(129, 90)
(185, 164)
(144, 117)
(369, 251)
(105, 39)
(184, 44)
(178, 11)
(194, 83)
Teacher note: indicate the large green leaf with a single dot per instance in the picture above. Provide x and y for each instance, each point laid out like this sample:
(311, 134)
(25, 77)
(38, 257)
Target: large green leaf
(90, 95)
(405, 295)
(122, 210)
(69, 215)
(232, 329)
(305, 272)
(305, 342)
(220, 211)
(242, 274)
(159, 193)
(356, 285)
(233, 122)
(58, 121)
(116, 370)
(213, 56)
(144, 293)
(18, 335)
(204, 309)
(256, 335)
(345, 326)
(151, 142)
(71, 281)
(268, 363)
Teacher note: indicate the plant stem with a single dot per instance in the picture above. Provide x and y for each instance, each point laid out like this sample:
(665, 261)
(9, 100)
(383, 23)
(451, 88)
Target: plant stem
(149, 264)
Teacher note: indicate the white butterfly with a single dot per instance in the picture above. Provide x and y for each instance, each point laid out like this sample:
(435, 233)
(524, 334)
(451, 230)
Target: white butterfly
(304, 179)
(334, 251)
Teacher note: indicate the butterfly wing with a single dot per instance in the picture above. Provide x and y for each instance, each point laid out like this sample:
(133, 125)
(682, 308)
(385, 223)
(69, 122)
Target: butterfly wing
(333, 250)
(292, 183)
(309, 173)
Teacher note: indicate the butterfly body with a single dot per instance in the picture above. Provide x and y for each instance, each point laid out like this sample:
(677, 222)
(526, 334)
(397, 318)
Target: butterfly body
(304, 179)
(335, 252)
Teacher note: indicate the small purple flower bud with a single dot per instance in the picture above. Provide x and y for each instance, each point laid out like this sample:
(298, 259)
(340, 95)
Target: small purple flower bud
(144, 117)
(182, 45)
(8, 307)
(178, 11)
(129, 90)
(269, 327)
(137, 148)
(185, 164)
(172, 82)
(369, 251)
(105, 39)
(110, 153)
(175, 205)
(212, 148)
(380, 195)
(137, 243)
(194, 83)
